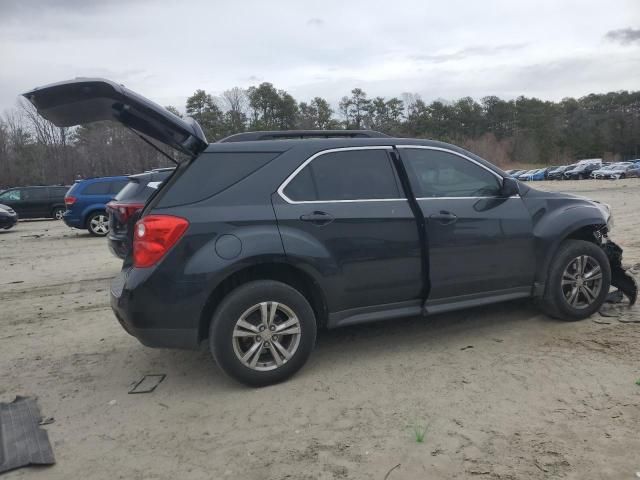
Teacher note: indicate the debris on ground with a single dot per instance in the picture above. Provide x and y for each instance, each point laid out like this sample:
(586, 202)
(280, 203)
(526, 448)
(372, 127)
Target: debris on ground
(148, 383)
(22, 441)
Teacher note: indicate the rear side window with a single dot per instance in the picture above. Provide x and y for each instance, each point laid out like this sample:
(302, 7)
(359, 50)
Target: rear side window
(442, 174)
(211, 173)
(128, 191)
(99, 188)
(346, 175)
(118, 185)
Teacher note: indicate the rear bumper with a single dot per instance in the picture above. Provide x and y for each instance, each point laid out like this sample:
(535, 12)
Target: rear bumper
(150, 319)
(118, 246)
(72, 221)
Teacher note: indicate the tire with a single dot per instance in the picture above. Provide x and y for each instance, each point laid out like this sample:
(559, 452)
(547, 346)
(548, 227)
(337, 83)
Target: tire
(228, 341)
(557, 299)
(98, 224)
(57, 212)
(622, 176)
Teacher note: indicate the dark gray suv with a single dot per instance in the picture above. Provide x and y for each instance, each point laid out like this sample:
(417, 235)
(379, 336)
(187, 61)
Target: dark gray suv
(257, 241)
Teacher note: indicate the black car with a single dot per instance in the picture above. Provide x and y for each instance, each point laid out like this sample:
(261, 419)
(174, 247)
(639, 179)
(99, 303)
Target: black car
(36, 202)
(257, 241)
(8, 217)
(581, 171)
(129, 201)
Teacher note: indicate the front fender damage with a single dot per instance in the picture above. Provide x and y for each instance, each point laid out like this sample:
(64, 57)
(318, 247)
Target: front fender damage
(620, 278)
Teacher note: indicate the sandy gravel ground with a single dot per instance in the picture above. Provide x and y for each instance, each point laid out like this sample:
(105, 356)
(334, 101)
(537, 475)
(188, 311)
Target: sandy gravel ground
(503, 391)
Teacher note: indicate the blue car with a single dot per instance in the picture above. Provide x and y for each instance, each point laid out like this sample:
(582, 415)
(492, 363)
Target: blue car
(86, 200)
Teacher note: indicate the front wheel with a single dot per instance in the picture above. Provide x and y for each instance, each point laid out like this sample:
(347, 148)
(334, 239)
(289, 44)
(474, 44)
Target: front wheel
(98, 224)
(578, 281)
(262, 333)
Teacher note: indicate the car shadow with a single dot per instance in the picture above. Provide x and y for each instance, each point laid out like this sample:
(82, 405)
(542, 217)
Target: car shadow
(195, 370)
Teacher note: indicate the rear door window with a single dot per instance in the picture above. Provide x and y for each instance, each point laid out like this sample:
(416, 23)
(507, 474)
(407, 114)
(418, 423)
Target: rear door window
(98, 188)
(349, 175)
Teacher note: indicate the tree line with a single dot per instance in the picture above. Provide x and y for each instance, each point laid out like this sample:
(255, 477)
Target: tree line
(507, 132)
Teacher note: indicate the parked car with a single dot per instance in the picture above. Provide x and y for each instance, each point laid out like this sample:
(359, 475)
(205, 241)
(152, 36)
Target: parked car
(536, 175)
(617, 171)
(86, 203)
(582, 170)
(36, 202)
(254, 244)
(8, 217)
(515, 173)
(123, 209)
(524, 176)
(558, 172)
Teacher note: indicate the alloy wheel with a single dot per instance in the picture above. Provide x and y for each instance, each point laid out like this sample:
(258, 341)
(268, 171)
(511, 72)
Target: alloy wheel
(58, 214)
(100, 224)
(266, 336)
(582, 281)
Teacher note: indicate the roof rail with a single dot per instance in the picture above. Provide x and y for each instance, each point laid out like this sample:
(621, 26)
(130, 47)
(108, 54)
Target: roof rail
(292, 134)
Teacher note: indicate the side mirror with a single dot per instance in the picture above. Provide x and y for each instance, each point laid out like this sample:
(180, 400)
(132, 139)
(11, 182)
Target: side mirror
(509, 187)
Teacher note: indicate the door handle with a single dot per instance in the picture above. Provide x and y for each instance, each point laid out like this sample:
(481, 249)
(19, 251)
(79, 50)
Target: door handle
(317, 218)
(444, 218)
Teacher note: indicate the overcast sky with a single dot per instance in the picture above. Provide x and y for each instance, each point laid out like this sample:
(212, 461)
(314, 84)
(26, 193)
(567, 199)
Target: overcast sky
(166, 49)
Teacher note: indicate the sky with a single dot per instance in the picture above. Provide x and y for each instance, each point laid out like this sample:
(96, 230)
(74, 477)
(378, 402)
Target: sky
(166, 49)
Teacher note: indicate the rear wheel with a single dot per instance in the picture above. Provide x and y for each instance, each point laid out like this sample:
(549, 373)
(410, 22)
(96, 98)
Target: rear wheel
(578, 281)
(57, 213)
(622, 176)
(262, 333)
(98, 224)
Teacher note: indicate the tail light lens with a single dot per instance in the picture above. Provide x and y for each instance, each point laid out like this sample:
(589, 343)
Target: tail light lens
(153, 237)
(68, 201)
(123, 211)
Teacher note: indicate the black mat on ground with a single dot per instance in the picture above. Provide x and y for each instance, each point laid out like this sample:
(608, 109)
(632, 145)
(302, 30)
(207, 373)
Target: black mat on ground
(22, 441)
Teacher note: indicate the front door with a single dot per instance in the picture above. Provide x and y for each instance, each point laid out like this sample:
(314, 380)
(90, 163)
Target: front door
(479, 243)
(344, 212)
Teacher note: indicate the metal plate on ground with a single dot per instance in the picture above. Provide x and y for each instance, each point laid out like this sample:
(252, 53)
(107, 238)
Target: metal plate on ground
(22, 441)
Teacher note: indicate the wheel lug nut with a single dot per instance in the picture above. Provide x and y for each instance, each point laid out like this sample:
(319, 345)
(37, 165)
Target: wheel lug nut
(272, 328)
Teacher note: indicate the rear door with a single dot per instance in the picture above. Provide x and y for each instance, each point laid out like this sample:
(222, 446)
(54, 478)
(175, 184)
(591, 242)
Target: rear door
(35, 202)
(343, 211)
(479, 243)
(87, 100)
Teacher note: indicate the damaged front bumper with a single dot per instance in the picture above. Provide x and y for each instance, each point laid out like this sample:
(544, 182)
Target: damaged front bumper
(620, 278)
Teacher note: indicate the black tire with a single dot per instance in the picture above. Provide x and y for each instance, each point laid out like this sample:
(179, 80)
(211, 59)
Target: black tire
(57, 212)
(554, 303)
(98, 230)
(622, 176)
(234, 305)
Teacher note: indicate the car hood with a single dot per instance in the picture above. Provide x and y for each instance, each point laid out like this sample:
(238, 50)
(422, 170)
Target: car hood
(86, 100)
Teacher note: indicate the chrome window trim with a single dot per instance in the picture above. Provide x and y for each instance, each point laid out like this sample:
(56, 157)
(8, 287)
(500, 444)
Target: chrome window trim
(462, 198)
(324, 152)
(461, 155)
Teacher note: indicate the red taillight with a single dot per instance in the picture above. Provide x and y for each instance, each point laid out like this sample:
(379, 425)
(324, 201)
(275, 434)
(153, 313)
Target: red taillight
(123, 211)
(153, 236)
(69, 200)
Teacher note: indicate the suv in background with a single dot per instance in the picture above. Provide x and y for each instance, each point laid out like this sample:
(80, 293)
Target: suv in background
(86, 203)
(36, 202)
(254, 244)
(123, 210)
